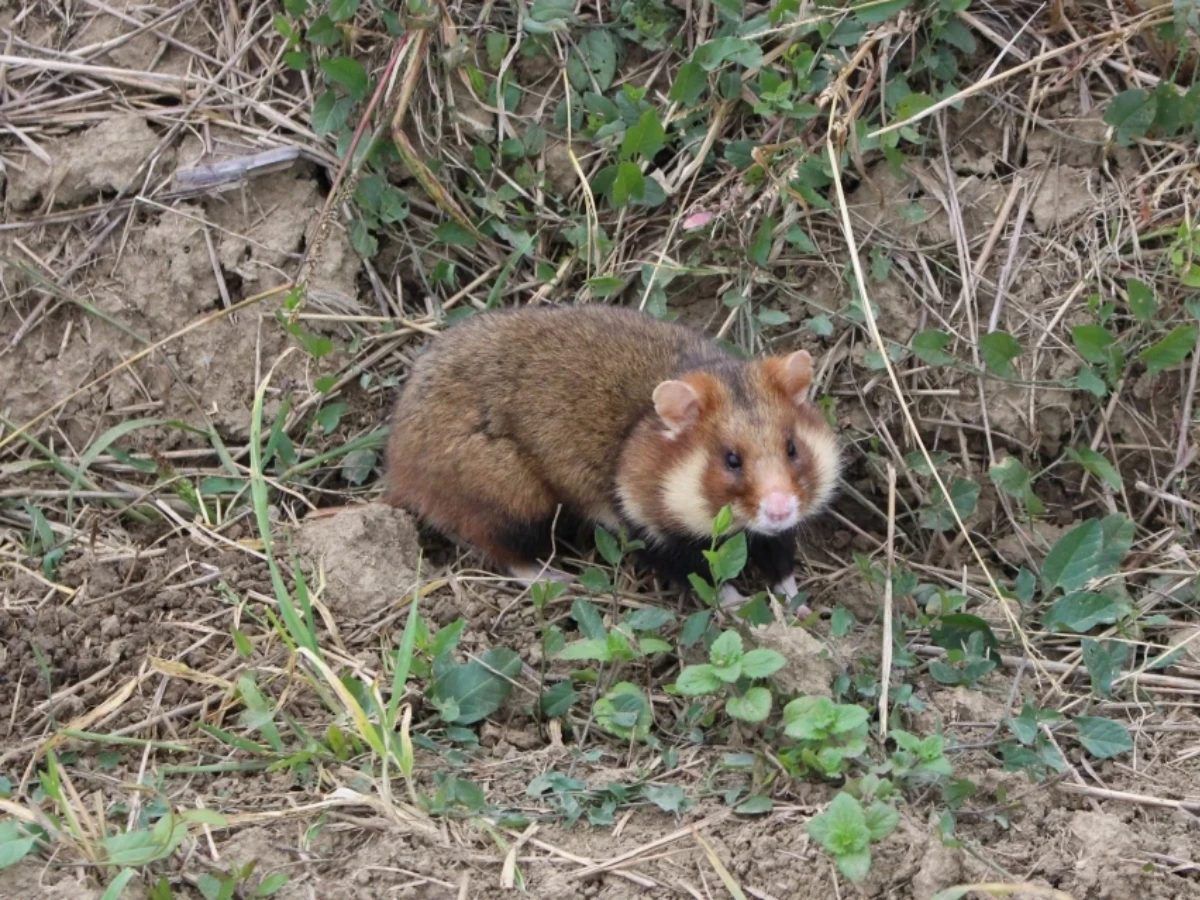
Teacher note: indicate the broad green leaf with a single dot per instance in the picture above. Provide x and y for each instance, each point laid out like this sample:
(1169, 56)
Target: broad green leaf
(558, 700)
(588, 618)
(588, 648)
(1131, 114)
(1103, 738)
(873, 12)
(608, 546)
(998, 350)
(628, 184)
(1141, 300)
(760, 247)
(1171, 350)
(1097, 464)
(711, 54)
(323, 32)
(930, 347)
(1092, 342)
(667, 797)
(341, 10)
(762, 663)
(726, 649)
(348, 73)
(689, 85)
(1104, 660)
(14, 843)
(695, 681)
(953, 631)
(755, 806)
(475, 687)
(593, 59)
(645, 138)
(1081, 611)
(625, 711)
(881, 819)
(1011, 477)
(1093, 549)
(841, 620)
(753, 706)
(964, 495)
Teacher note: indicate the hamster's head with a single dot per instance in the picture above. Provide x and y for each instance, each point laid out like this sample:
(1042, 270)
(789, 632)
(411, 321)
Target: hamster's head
(745, 435)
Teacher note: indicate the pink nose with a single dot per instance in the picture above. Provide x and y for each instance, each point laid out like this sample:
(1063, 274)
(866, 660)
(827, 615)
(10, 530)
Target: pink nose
(778, 506)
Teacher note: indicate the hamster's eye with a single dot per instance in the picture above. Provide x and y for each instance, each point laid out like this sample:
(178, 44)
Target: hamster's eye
(733, 461)
(791, 449)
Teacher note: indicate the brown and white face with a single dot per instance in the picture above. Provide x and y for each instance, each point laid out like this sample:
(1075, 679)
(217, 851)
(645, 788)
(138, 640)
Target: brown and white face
(748, 438)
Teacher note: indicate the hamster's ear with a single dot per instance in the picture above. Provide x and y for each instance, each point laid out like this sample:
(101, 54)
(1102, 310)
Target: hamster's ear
(678, 405)
(793, 374)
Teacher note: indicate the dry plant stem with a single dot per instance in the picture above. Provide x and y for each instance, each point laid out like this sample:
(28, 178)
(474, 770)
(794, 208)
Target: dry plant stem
(885, 664)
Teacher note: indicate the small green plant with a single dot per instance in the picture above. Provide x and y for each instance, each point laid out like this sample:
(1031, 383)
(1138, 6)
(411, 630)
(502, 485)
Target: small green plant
(828, 736)
(919, 760)
(227, 885)
(846, 829)
(726, 559)
(732, 670)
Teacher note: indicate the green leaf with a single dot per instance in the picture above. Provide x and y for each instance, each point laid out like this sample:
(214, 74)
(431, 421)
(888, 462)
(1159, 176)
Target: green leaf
(964, 495)
(726, 649)
(847, 717)
(323, 33)
(1131, 114)
(1024, 585)
(755, 806)
(1011, 476)
(729, 559)
(753, 706)
(953, 631)
(588, 648)
(1097, 464)
(874, 12)
(841, 620)
(1081, 611)
(330, 113)
(1103, 738)
(842, 830)
(474, 688)
(593, 59)
(723, 521)
(712, 54)
(690, 84)
(14, 843)
(1171, 350)
(667, 797)
(548, 16)
(1104, 660)
(595, 580)
(348, 73)
(645, 138)
(1093, 549)
(651, 618)
(341, 10)
(328, 416)
(357, 466)
(628, 184)
(455, 235)
(1092, 342)
(913, 105)
(881, 819)
(760, 247)
(608, 546)
(929, 347)
(695, 681)
(762, 663)
(624, 711)
(1141, 300)
(588, 618)
(998, 350)
(605, 286)
(558, 701)
(1025, 726)
(694, 627)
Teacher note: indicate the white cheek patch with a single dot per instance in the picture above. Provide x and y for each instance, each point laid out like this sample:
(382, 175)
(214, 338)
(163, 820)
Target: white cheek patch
(683, 495)
(634, 510)
(827, 466)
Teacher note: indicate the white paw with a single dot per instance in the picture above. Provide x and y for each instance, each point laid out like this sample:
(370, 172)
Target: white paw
(528, 575)
(730, 596)
(786, 588)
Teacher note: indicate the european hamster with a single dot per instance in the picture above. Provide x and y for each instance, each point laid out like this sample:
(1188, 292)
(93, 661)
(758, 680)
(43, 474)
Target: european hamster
(622, 419)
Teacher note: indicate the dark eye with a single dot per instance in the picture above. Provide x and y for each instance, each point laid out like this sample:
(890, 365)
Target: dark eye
(733, 461)
(791, 449)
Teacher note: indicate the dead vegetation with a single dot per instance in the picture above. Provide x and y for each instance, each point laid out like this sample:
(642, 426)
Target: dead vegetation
(213, 282)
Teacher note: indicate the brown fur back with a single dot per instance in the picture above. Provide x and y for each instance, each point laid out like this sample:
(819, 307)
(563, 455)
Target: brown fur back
(512, 412)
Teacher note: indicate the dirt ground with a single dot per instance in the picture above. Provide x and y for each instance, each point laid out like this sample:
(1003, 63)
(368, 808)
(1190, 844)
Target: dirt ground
(148, 622)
